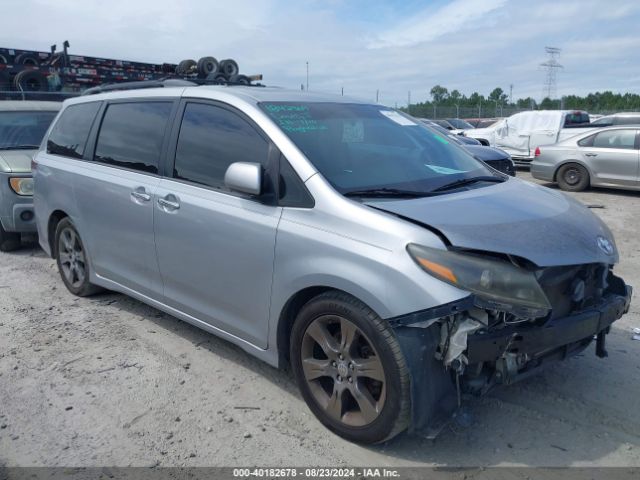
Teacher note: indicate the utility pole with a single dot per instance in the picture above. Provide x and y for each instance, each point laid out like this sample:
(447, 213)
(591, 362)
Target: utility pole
(377, 95)
(552, 66)
(409, 102)
(307, 76)
(342, 91)
(510, 94)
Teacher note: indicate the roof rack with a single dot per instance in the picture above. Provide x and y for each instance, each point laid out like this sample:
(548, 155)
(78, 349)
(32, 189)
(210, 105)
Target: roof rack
(168, 82)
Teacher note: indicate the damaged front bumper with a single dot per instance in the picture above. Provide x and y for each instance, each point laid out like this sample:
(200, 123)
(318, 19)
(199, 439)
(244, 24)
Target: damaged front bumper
(453, 351)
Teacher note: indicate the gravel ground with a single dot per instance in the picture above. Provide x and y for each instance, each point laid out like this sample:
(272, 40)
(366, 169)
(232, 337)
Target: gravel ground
(109, 381)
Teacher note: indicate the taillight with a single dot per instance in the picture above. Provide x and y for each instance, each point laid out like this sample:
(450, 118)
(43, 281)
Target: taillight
(537, 152)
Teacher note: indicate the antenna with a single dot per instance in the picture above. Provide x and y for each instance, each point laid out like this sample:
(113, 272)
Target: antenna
(551, 81)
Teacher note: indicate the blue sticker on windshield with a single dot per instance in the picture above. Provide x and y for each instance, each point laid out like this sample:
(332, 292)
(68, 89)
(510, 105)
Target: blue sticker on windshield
(294, 118)
(443, 170)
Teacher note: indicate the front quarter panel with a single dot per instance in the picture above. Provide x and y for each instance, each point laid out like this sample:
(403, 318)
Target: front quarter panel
(351, 247)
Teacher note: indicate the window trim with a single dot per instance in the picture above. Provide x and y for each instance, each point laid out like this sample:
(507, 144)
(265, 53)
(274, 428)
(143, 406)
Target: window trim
(271, 168)
(92, 142)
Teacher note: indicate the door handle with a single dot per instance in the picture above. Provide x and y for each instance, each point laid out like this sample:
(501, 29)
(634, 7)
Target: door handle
(590, 154)
(140, 195)
(170, 202)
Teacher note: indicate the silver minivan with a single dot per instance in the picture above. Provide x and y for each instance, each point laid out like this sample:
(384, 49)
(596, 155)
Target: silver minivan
(389, 268)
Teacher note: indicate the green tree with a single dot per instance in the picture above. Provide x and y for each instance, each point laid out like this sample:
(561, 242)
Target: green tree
(439, 93)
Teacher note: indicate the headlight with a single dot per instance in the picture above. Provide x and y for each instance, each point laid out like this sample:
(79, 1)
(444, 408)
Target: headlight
(22, 186)
(503, 284)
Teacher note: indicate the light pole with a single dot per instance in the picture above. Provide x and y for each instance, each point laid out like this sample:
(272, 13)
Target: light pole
(307, 76)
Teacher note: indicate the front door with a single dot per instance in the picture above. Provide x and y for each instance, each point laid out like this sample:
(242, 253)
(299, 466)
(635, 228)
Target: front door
(215, 248)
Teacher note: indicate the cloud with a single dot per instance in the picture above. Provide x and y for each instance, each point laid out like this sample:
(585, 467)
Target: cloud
(429, 25)
(359, 45)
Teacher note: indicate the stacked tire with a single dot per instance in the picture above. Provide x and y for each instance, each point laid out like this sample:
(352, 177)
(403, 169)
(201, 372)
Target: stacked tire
(213, 71)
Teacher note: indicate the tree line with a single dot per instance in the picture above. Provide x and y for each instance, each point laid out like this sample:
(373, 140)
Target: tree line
(606, 101)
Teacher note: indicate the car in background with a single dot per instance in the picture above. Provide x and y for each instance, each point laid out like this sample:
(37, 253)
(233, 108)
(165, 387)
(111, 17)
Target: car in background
(459, 124)
(494, 157)
(623, 118)
(22, 127)
(608, 157)
(521, 133)
(481, 122)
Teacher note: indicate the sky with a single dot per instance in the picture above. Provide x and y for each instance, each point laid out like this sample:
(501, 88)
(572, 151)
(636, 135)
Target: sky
(359, 46)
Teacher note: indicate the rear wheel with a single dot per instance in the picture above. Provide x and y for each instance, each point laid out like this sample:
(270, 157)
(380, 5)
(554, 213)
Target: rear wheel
(350, 369)
(9, 241)
(72, 260)
(573, 177)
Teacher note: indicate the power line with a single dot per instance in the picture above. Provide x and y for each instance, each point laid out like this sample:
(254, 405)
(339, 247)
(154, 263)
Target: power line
(552, 66)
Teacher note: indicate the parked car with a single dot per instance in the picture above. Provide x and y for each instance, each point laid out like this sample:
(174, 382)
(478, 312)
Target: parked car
(459, 124)
(623, 118)
(385, 264)
(481, 122)
(607, 157)
(22, 126)
(521, 133)
(494, 157)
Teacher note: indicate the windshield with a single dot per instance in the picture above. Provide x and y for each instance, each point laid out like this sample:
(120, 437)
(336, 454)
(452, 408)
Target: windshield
(461, 124)
(19, 129)
(360, 147)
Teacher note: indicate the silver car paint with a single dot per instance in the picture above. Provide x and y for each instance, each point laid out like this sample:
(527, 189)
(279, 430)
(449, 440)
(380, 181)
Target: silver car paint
(267, 254)
(607, 167)
(545, 227)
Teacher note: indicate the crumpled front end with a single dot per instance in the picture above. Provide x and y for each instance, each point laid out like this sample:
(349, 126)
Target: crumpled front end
(471, 345)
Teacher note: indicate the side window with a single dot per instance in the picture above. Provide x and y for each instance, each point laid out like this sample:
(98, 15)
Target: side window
(131, 135)
(292, 191)
(69, 135)
(615, 139)
(587, 142)
(212, 138)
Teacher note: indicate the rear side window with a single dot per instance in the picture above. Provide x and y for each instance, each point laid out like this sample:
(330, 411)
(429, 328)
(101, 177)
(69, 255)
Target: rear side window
(131, 135)
(615, 139)
(212, 138)
(69, 135)
(628, 120)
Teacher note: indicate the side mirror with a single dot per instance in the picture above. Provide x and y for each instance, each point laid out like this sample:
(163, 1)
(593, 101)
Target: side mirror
(244, 177)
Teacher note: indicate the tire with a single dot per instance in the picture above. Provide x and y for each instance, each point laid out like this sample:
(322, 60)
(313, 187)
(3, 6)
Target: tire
(27, 59)
(573, 177)
(5, 81)
(368, 382)
(184, 66)
(206, 66)
(229, 67)
(30, 81)
(216, 79)
(9, 241)
(70, 255)
(240, 79)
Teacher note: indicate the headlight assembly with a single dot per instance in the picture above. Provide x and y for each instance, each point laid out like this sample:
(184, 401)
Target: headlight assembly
(22, 185)
(501, 284)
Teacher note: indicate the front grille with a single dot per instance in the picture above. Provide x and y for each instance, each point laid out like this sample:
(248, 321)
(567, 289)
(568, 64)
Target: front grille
(571, 289)
(504, 165)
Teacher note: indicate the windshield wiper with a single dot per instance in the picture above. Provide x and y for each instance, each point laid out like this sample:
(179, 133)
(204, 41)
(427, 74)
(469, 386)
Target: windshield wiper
(468, 181)
(386, 192)
(20, 147)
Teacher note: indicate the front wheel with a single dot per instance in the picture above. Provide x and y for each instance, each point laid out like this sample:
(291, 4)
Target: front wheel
(9, 241)
(350, 369)
(573, 177)
(71, 257)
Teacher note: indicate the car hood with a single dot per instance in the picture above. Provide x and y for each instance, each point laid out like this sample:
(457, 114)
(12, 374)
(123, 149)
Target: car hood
(486, 153)
(16, 161)
(515, 217)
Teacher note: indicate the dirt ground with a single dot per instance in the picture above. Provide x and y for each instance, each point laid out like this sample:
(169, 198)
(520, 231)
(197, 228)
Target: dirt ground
(109, 381)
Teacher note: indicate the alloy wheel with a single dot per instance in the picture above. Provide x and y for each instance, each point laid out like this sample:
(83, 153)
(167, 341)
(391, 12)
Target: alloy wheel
(72, 258)
(343, 371)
